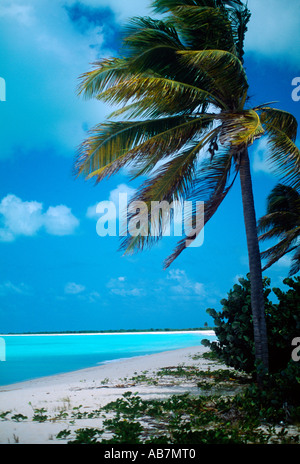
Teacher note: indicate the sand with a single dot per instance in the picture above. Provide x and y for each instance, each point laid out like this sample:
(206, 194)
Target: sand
(90, 389)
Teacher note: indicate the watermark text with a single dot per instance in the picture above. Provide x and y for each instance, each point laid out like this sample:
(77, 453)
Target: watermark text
(296, 351)
(2, 349)
(296, 91)
(160, 218)
(2, 89)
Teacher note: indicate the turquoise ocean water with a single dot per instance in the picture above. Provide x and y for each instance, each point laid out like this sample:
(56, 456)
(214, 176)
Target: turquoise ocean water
(33, 356)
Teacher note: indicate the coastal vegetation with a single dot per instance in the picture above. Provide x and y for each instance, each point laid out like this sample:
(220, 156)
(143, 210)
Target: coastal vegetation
(282, 221)
(222, 404)
(111, 331)
(233, 325)
(184, 77)
(181, 87)
(226, 410)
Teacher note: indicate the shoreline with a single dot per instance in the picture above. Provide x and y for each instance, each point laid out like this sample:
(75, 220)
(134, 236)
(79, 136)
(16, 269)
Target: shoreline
(154, 332)
(103, 369)
(91, 389)
(115, 361)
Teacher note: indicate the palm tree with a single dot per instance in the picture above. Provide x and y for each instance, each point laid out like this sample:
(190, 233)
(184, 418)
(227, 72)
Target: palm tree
(182, 92)
(282, 221)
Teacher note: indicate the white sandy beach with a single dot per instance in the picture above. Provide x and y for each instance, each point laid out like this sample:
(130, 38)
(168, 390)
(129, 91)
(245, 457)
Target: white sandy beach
(89, 388)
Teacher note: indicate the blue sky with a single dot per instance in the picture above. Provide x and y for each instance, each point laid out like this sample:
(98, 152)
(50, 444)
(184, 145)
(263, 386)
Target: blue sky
(56, 273)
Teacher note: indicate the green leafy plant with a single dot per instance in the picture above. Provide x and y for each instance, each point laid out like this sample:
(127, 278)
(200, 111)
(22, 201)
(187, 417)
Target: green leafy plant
(4, 414)
(63, 434)
(39, 415)
(278, 397)
(124, 430)
(282, 221)
(18, 417)
(234, 327)
(86, 436)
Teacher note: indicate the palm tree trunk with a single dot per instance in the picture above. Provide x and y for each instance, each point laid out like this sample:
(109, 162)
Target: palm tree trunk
(257, 296)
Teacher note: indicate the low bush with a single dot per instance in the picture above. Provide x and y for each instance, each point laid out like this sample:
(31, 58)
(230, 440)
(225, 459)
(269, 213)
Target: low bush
(234, 326)
(278, 398)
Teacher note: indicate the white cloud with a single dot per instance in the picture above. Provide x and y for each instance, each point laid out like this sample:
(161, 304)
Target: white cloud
(121, 287)
(260, 161)
(59, 220)
(273, 30)
(285, 261)
(127, 292)
(10, 288)
(124, 10)
(20, 217)
(91, 212)
(22, 14)
(80, 292)
(93, 297)
(72, 288)
(51, 55)
(237, 277)
(114, 198)
(121, 188)
(185, 286)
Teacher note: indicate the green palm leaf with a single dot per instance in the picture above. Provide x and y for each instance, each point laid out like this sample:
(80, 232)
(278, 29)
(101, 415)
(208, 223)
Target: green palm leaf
(281, 128)
(209, 24)
(170, 95)
(225, 71)
(211, 186)
(295, 267)
(115, 144)
(168, 183)
(106, 73)
(240, 129)
(282, 221)
(280, 120)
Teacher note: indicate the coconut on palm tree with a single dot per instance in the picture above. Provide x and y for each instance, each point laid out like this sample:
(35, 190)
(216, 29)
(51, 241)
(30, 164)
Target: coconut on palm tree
(182, 93)
(282, 221)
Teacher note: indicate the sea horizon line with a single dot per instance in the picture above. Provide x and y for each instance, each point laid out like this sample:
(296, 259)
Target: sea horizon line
(112, 332)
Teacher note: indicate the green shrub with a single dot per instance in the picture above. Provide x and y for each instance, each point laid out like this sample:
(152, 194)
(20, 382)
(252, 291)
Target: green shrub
(276, 400)
(234, 326)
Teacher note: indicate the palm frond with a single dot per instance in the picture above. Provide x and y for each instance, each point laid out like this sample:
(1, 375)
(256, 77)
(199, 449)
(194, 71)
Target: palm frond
(285, 156)
(285, 246)
(240, 129)
(207, 24)
(115, 144)
(282, 221)
(146, 42)
(278, 222)
(150, 46)
(147, 164)
(144, 33)
(170, 183)
(203, 28)
(164, 6)
(211, 187)
(274, 231)
(226, 72)
(105, 73)
(295, 267)
(281, 128)
(165, 95)
(280, 120)
(239, 18)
